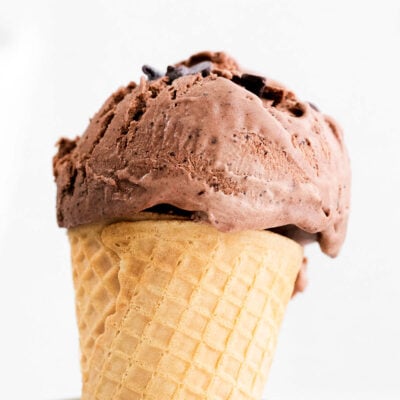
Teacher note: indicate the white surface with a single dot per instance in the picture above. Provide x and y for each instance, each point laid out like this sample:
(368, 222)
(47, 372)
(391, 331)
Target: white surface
(58, 63)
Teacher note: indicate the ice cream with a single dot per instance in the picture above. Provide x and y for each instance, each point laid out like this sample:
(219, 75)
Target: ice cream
(205, 144)
(240, 152)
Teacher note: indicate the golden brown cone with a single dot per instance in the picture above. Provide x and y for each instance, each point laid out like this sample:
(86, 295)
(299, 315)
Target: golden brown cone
(178, 310)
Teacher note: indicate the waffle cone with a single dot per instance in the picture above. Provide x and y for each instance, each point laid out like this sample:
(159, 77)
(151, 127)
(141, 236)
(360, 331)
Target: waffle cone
(178, 310)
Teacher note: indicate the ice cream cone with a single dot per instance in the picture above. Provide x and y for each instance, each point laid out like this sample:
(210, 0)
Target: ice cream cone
(173, 309)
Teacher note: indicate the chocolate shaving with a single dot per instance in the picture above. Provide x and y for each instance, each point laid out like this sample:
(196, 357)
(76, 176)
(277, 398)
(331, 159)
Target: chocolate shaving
(253, 83)
(176, 72)
(203, 67)
(151, 73)
(297, 110)
(274, 94)
(313, 106)
(258, 85)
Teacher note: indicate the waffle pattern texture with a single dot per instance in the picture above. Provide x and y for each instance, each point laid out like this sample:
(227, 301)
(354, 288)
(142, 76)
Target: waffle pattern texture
(179, 310)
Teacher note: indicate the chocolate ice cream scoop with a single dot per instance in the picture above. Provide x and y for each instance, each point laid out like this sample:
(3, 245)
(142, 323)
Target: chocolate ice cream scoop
(236, 150)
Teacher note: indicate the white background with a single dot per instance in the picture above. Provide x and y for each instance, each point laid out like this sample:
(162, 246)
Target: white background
(58, 63)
